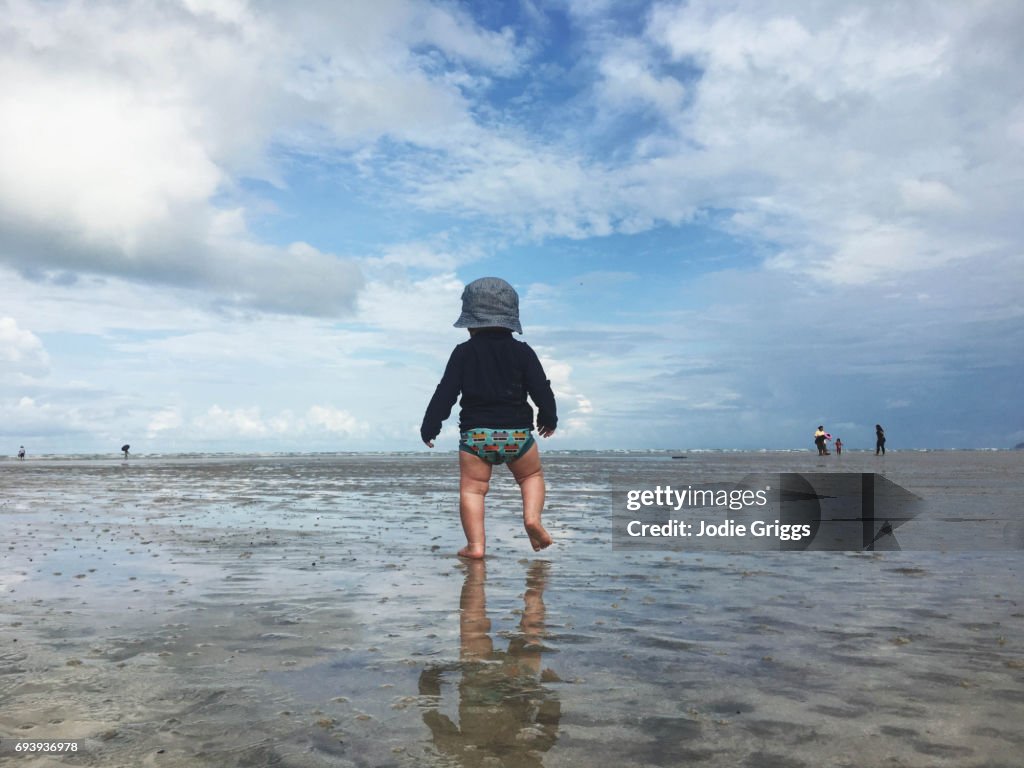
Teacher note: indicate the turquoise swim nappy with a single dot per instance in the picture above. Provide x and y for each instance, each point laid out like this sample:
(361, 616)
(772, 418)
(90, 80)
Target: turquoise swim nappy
(496, 446)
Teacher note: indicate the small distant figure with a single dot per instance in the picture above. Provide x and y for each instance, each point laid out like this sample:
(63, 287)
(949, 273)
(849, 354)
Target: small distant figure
(494, 373)
(21, 452)
(879, 440)
(839, 446)
(821, 438)
(124, 449)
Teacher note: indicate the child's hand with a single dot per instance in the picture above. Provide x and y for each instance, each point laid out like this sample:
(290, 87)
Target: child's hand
(428, 443)
(545, 431)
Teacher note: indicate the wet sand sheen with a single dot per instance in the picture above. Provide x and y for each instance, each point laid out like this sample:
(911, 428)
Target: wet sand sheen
(306, 611)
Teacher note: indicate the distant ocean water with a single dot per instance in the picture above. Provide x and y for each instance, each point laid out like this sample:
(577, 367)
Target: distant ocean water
(611, 452)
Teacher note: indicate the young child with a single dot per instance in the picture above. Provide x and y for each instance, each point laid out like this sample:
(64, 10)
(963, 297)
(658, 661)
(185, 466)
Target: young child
(495, 373)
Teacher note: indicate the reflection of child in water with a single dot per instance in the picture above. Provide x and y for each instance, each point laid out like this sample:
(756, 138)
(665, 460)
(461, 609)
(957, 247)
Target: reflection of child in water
(495, 373)
(505, 711)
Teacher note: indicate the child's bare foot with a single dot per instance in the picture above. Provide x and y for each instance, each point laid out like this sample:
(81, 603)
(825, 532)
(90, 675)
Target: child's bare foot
(472, 552)
(539, 537)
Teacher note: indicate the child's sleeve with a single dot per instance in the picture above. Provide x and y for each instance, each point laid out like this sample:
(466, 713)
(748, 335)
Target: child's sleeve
(539, 389)
(447, 392)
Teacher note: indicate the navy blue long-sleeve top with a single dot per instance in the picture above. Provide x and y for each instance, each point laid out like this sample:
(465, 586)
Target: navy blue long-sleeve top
(495, 373)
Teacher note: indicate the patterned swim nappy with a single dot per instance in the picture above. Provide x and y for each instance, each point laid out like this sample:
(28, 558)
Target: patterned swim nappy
(496, 446)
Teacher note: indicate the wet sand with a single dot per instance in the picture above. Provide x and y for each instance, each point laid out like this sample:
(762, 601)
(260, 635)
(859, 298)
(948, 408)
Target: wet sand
(309, 611)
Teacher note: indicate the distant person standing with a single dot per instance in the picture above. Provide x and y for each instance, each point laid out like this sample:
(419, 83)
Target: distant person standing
(839, 446)
(21, 452)
(125, 448)
(879, 440)
(819, 440)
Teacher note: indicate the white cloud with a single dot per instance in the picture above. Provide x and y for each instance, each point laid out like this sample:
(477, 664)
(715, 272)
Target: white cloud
(794, 117)
(94, 158)
(334, 420)
(802, 121)
(418, 309)
(248, 424)
(837, 116)
(926, 195)
(34, 419)
(574, 408)
(439, 257)
(628, 81)
(21, 350)
(535, 190)
(166, 420)
(125, 130)
(228, 423)
(115, 140)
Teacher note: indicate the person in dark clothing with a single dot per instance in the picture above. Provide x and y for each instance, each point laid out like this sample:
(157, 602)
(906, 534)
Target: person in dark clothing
(820, 436)
(495, 373)
(879, 440)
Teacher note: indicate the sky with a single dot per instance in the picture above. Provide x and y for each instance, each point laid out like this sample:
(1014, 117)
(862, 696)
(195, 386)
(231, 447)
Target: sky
(246, 226)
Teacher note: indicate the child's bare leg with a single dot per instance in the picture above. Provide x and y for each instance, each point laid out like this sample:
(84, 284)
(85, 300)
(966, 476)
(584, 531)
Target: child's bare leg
(530, 476)
(474, 481)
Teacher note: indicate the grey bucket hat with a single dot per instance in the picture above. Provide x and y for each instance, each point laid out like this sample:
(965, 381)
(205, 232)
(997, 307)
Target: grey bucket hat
(490, 302)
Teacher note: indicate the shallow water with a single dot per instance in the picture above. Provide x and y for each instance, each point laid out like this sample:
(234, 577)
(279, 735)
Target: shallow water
(306, 611)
